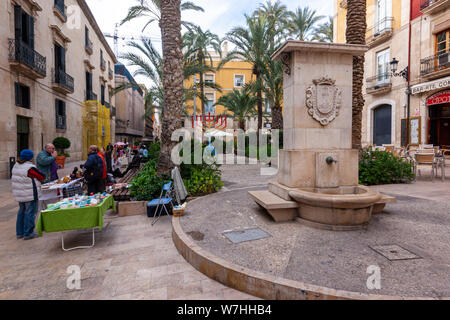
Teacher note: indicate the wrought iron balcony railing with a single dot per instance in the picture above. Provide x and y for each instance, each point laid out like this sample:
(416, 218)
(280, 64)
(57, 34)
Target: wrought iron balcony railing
(435, 63)
(63, 79)
(380, 28)
(380, 81)
(22, 53)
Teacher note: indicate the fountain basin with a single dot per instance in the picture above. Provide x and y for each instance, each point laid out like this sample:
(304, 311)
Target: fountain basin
(343, 208)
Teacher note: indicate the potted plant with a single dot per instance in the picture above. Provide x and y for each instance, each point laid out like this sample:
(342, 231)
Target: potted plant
(61, 143)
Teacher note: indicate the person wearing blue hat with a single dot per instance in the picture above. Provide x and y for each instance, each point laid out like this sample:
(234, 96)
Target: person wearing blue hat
(26, 187)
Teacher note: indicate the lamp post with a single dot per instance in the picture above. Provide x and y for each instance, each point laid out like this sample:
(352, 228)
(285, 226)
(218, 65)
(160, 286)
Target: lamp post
(405, 74)
(195, 107)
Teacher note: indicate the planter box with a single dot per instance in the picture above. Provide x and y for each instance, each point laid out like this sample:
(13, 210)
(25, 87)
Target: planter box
(132, 208)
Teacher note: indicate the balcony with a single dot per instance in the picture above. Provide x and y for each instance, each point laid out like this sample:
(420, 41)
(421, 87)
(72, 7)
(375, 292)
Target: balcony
(59, 10)
(433, 6)
(110, 74)
(26, 60)
(381, 32)
(90, 96)
(435, 66)
(379, 84)
(62, 82)
(102, 64)
(89, 47)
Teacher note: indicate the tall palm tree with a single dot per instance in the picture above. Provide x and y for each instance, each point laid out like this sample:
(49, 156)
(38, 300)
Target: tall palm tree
(324, 32)
(302, 23)
(356, 34)
(253, 44)
(276, 12)
(273, 90)
(151, 9)
(241, 103)
(198, 59)
(173, 77)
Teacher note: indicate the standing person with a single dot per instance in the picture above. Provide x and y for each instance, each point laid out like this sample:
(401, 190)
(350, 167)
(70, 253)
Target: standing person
(105, 172)
(26, 187)
(109, 157)
(46, 163)
(94, 171)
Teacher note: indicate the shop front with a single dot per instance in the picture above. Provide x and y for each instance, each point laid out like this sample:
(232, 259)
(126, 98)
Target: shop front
(438, 106)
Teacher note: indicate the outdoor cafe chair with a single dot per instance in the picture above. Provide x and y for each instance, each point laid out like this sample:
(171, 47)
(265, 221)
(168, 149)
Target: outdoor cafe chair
(163, 201)
(425, 160)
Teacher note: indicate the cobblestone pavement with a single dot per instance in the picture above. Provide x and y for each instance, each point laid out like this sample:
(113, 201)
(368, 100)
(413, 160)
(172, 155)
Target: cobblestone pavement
(131, 259)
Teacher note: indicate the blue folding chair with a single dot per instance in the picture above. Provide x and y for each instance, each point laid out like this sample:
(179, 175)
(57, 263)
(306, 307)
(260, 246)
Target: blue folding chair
(163, 201)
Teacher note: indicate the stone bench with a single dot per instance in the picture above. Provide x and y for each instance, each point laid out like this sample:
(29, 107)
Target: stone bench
(281, 210)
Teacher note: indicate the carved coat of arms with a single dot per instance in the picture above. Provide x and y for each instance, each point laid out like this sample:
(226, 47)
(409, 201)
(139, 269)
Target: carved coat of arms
(323, 100)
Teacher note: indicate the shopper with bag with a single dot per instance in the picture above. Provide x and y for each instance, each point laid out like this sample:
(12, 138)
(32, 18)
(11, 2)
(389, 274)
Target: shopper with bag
(94, 171)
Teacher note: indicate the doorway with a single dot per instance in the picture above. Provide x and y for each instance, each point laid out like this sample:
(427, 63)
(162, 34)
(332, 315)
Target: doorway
(23, 134)
(382, 125)
(439, 124)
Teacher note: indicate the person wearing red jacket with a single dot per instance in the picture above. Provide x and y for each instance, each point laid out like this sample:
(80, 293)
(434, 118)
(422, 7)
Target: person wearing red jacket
(105, 172)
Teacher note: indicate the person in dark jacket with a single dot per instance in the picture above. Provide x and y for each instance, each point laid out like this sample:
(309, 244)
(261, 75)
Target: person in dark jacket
(94, 171)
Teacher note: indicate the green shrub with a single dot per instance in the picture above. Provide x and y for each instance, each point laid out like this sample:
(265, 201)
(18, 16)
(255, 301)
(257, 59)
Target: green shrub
(62, 143)
(203, 181)
(382, 167)
(147, 185)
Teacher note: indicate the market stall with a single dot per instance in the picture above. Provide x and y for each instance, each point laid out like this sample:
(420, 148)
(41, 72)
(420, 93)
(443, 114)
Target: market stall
(55, 190)
(75, 213)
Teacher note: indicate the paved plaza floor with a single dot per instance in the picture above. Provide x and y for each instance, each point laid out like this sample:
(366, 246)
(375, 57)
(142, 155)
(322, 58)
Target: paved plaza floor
(132, 260)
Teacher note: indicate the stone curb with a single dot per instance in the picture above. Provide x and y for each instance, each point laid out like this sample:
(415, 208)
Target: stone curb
(259, 284)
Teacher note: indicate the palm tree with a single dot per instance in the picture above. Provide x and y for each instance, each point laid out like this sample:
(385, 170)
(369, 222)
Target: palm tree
(324, 32)
(302, 23)
(173, 77)
(276, 12)
(273, 90)
(198, 59)
(152, 10)
(241, 103)
(356, 34)
(253, 44)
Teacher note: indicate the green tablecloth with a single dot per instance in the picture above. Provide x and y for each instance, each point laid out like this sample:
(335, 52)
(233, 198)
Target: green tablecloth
(74, 219)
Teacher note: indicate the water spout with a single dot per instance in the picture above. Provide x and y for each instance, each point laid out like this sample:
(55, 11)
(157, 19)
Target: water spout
(330, 160)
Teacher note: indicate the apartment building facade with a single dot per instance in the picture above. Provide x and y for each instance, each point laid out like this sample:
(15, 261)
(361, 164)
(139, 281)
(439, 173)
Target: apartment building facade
(53, 58)
(130, 110)
(416, 34)
(232, 76)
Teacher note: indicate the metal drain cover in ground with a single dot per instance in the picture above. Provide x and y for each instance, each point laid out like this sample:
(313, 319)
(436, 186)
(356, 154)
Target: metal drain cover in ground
(394, 252)
(246, 235)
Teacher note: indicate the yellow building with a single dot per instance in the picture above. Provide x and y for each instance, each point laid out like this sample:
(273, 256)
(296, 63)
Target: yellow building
(233, 75)
(416, 33)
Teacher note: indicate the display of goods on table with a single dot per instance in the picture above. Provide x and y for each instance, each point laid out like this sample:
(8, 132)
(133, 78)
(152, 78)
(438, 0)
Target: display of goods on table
(74, 213)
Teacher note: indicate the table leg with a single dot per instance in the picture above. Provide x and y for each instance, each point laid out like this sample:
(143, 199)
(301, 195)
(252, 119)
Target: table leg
(80, 247)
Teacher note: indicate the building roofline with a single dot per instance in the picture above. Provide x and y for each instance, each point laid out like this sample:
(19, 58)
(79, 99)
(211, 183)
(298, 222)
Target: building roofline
(87, 11)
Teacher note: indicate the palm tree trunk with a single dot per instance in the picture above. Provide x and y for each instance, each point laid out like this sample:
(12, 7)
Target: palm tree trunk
(242, 124)
(202, 95)
(260, 107)
(356, 34)
(277, 117)
(172, 80)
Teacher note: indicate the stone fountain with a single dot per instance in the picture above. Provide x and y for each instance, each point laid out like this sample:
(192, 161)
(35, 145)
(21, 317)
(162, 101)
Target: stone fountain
(317, 181)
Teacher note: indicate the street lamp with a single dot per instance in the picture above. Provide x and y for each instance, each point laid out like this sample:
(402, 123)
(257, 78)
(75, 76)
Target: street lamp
(404, 74)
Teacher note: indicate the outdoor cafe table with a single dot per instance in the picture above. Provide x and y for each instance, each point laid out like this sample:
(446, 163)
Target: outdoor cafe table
(74, 219)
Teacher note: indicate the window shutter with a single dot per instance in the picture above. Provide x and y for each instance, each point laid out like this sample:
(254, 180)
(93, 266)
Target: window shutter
(63, 115)
(31, 31)
(17, 92)
(57, 113)
(18, 22)
(63, 59)
(27, 97)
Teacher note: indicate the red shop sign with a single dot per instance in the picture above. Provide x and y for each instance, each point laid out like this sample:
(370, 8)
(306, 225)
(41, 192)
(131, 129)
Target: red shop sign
(439, 98)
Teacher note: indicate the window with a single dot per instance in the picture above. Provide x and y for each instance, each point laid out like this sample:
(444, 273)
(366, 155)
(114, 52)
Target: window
(383, 16)
(23, 27)
(209, 104)
(22, 94)
(89, 86)
(59, 4)
(239, 80)
(209, 78)
(60, 111)
(443, 47)
(383, 66)
(102, 93)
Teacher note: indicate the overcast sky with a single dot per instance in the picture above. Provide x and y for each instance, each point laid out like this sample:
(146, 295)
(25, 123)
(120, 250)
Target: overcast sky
(219, 17)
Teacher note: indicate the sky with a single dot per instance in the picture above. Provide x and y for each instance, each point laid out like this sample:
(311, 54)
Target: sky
(220, 16)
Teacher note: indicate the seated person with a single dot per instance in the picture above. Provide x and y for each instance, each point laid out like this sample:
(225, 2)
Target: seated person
(135, 162)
